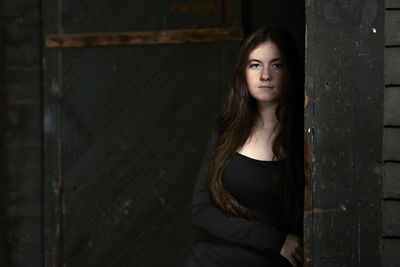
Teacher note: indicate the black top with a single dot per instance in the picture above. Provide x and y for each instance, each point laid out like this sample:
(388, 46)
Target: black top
(235, 241)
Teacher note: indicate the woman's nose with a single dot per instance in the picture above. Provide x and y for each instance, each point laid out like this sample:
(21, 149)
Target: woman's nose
(265, 74)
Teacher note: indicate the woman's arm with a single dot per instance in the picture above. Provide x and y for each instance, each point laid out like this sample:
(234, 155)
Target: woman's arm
(206, 216)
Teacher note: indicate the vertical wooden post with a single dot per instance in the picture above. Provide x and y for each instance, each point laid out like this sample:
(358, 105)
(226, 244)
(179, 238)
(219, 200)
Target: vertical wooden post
(344, 83)
(52, 142)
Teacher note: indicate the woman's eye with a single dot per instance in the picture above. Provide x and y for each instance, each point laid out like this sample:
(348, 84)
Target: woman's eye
(255, 66)
(277, 65)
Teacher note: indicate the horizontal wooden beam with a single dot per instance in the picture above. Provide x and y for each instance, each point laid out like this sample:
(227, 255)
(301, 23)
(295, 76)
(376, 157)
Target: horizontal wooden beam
(392, 66)
(392, 25)
(392, 4)
(391, 144)
(391, 181)
(391, 111)
(391, 255)
(145, 37)
(391, 218)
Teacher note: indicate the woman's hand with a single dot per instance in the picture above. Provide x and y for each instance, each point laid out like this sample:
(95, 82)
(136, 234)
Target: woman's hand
(292, 250)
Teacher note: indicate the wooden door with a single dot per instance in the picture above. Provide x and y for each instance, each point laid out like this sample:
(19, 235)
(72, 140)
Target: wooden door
(125, 128)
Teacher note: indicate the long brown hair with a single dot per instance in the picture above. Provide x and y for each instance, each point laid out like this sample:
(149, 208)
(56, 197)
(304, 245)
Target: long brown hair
(238, 118)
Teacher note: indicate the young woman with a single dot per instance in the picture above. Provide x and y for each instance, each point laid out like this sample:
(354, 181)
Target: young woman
(249, 194)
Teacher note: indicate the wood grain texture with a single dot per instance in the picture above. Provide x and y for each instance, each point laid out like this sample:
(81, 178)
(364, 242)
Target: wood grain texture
(346, 222)
(391, 144)
(125, 129)
(391, 255)
(392, 26)
(392, 3)
(392, 68)
(392, 106)
(391, 140)
(391, 218)
(53, 234)
(145, 37)
(21, 144)
(391, 181)
(142, 131)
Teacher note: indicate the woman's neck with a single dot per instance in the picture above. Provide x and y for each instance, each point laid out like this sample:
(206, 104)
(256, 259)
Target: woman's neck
(267, 118)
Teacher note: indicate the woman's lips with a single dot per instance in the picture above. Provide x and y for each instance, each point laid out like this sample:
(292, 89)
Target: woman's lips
(266, 87)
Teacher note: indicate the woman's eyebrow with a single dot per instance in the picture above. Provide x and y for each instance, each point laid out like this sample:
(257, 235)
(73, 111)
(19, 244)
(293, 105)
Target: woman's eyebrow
(272, 60)
(256, 60)
(276, 59)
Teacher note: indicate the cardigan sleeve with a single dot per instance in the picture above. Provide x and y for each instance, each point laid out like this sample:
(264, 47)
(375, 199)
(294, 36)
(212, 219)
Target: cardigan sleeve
(207, 217)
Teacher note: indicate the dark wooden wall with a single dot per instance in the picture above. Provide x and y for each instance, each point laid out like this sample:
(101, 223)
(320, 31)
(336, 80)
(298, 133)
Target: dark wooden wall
(391, 138)
(26, 111)
(284, 13)
(345, 85)
(21, 183)
(124, 131)
(21, 128)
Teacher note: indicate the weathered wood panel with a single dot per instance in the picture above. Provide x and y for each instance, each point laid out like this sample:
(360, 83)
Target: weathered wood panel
(391, 218)
(391, 181)
(392, 26)
(391, 141)
(391, 144)
(392, 66)
(392, 3)
(392, 106)
(182, 36)
(346, 217)
(124, 16)
(125, 128)
(53, 234)
(144, 159)
(391, 257)
(3, 190)
(21, 147)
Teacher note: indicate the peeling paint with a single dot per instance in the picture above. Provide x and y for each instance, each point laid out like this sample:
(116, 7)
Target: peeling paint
(306, 99)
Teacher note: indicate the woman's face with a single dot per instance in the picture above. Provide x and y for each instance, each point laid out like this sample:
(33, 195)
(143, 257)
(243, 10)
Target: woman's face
(265, 72)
